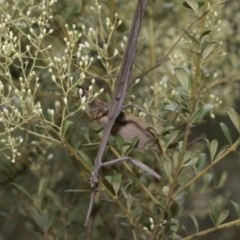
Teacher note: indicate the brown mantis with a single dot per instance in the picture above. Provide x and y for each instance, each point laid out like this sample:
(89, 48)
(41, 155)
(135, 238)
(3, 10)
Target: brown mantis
(121, 87)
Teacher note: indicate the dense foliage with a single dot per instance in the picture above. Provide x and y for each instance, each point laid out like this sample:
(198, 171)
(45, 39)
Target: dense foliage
(50, 128)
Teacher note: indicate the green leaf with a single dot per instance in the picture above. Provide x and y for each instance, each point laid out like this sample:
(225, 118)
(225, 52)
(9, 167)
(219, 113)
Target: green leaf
(226, 132)
(85, 159)
(66, 125)
(214, 214)
(190, 162)
(223, 178)
(213, 148)
(200, 4)
(39, 219)
(125, 224)
(222, 150)
(23, 190)
(188, 34)
(42, 187)
(207, 50)
(119, 141)
(171, 139)
(85, 134)
(234, 118)
(77, 190)
(173, 108)
(132, 146)
(174, 225)
(202, 111)
(194, 221)
(167, 165)
(201, 161)
(237, 208)
(184, 76)
(189, 50)
(109, 179)
(120, 215)
(116, 182)
(52, 215)
(206, 32)
(208, 144)
(149, 144)
(223, 215)
(175, 159)
(70, 11)
(193, 4)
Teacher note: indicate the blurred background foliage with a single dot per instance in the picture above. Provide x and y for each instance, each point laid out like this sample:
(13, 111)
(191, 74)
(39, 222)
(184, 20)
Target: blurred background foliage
(35, 171)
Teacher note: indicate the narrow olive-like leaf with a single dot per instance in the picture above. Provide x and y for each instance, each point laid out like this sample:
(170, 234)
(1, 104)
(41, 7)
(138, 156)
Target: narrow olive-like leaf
(108, 178)
(214, 214)
(200, 4)
(119, 141)
(206, 32)
(173, 108)
(42, 187)
(207, 179)
(120, 215)
(201, 161)
(208, 144)
(188, 34)
(226, 132)
(149, 144)
(136, 213)
(223, 178)
(207, 50)
(174, 225)
(166, 129)
(175, 159)
(23, 190)
(117, 177)
(69, 12)
(202, 111)
(52, 215)
(222, 150)
(77, 190)
(44, 126)
(223, 215)
(234, 118)
(237, 208)
(167, 165)
(192, 161)
(213, 148)
(171, 139)
(184, 76)
(193, 4)
(189, 50)
(86, 159)
(125, 224)
(66, 125)
(194, 222)
(39, 219)
(85, 134)
(132, 146)
(116, 182)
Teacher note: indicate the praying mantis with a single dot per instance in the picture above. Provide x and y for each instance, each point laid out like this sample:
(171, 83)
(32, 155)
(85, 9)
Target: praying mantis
(122, 84)
(121, 87)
